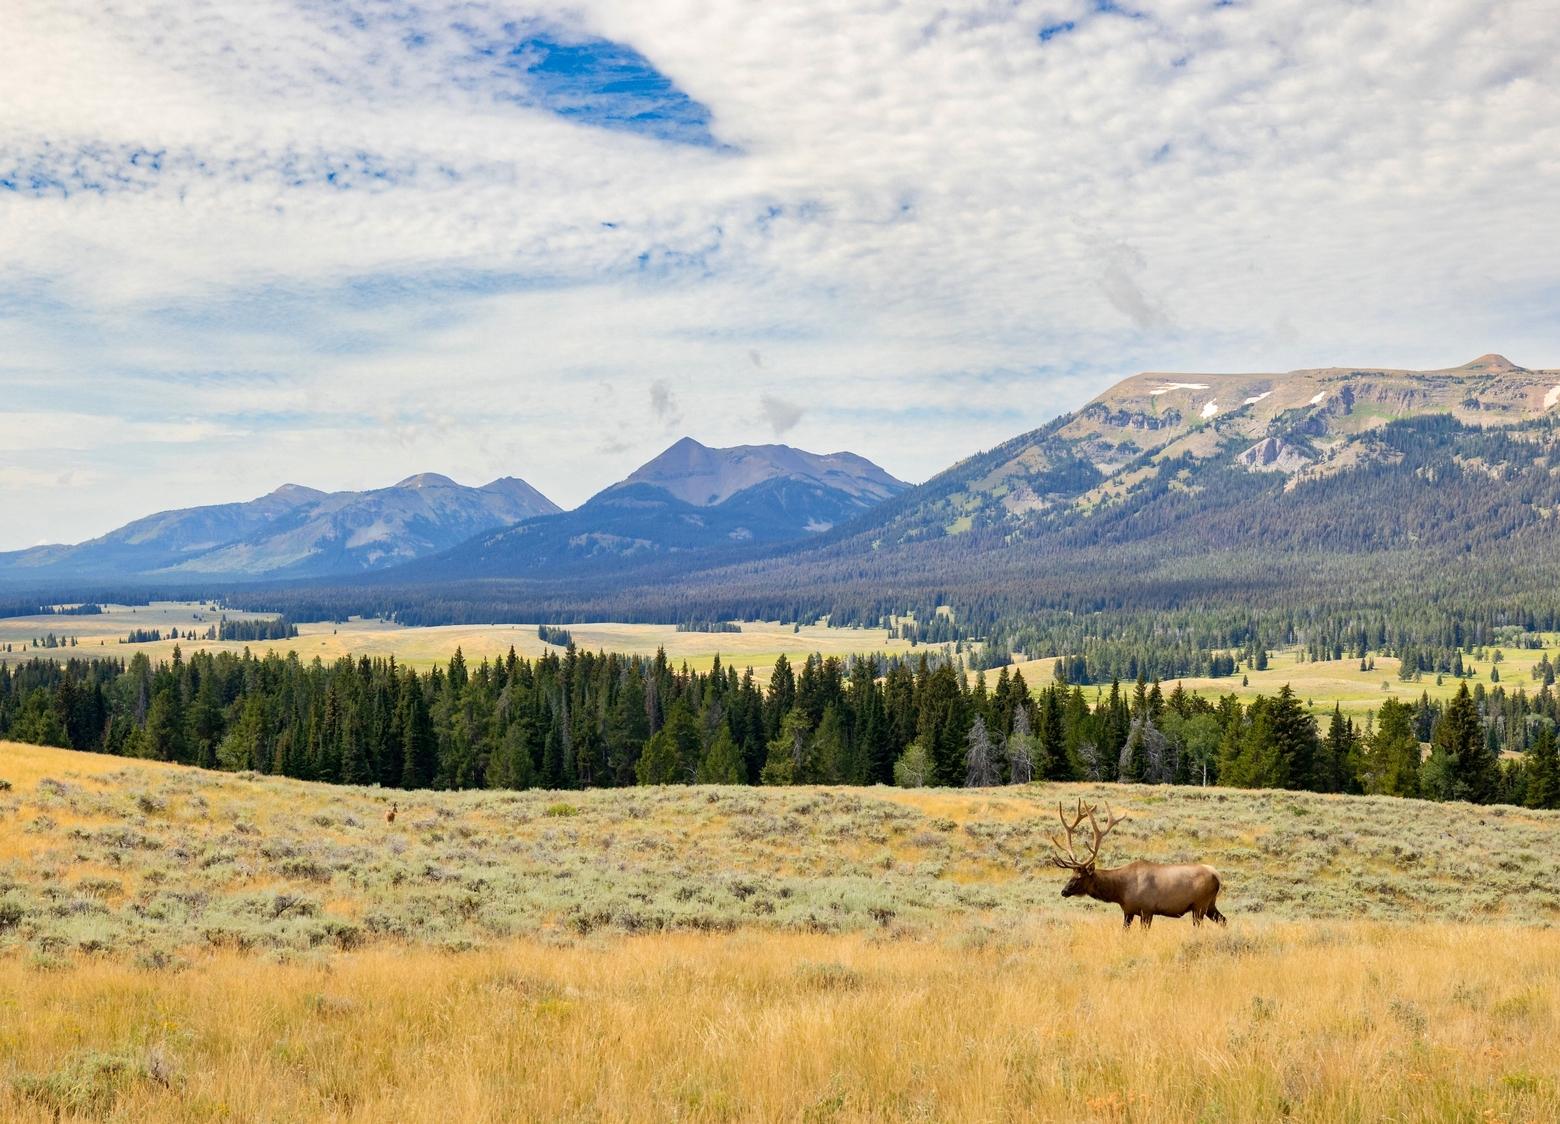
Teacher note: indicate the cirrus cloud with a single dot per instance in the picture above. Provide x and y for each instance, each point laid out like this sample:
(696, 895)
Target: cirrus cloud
(475, 237)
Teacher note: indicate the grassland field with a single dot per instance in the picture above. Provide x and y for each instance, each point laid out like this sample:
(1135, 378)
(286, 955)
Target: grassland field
(184, 945)
(1325, 683)
(758, 645)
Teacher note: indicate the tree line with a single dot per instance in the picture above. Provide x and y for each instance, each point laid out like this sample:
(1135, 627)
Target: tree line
(33, 609)
(580, 719)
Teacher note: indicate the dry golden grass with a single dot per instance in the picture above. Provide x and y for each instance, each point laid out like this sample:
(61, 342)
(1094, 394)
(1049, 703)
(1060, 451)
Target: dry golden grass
(178, 945)
(1048, 1022)
(758, 645)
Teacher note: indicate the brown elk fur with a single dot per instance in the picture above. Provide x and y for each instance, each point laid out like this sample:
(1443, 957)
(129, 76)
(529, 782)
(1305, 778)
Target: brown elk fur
(1142, 889)
(390, 815)
(1147, 890)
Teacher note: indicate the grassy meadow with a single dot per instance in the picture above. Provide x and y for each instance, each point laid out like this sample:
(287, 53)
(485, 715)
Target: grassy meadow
(183, 945)
(758, 645)
(1325, 683)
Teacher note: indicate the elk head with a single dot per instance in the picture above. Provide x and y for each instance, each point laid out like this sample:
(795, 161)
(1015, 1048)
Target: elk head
(1082, 880)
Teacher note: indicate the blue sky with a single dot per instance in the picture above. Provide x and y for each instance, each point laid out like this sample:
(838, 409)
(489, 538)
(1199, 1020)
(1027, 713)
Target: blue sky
(338, 242)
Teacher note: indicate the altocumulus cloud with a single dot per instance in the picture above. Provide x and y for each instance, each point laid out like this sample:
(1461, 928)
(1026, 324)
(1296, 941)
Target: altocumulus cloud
(951, 220)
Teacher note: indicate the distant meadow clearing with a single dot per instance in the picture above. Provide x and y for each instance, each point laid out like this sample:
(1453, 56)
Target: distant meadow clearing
(184, 945)
(757, 645)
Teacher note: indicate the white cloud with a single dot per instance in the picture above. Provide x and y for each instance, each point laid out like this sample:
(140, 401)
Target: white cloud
(663, 403)
(66, 432)
(781, 415)
(932, 229)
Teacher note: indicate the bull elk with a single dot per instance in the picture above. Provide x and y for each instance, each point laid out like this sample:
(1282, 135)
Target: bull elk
(1142, 889)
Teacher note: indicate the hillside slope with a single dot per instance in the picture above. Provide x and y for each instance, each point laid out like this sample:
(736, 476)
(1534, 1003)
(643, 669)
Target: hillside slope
(1299, 426)
(112, 852)
(184, 946)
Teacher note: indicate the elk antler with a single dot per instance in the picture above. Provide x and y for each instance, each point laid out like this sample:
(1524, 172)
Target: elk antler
(1072, 861)
(1099, 835)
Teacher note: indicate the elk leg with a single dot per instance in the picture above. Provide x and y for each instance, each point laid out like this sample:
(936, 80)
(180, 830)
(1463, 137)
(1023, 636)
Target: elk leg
(1197, 917)
(1213, 912)
(1126, 920)
(1148, 919)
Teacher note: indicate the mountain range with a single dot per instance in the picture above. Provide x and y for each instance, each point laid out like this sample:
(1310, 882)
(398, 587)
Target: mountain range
(1341, 487)
(1157, 435)
(1344, 486)
(293, 532)
(689, 498)
(1331, 489)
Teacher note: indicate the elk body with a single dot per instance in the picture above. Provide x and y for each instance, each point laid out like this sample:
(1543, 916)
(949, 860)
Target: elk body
(1142, 889)
(390, 815)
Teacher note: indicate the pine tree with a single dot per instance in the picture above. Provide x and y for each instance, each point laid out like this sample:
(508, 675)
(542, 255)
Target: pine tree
(205, 724)
(244, 746)
(781, 697)
(942, 725)
(327, 739)
(1053, 759)
(1295, 743)
(1132, 767)
(1460, 739)
(1392, 760)
(1337, 767)
(1248, 751)
(511, 766)
(660, 762)
(1115, 724)
(1543, 771)
(40, 723)
(722, 762)
(165, 726)
(789, 761)
(683, 729)
(831, 752)
(355, 766)
(420, 750)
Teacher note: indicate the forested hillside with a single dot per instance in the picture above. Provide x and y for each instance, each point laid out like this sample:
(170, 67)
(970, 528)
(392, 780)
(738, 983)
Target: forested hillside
(578, 719)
